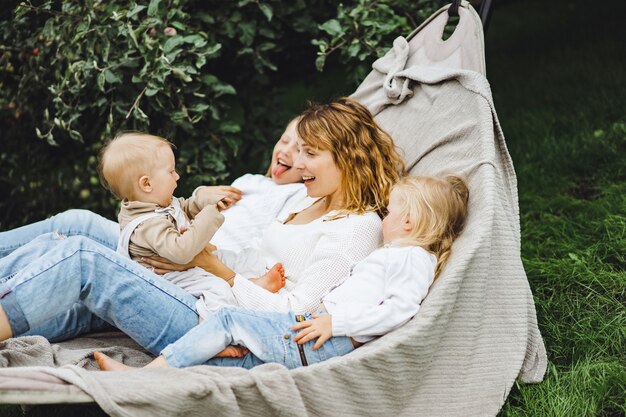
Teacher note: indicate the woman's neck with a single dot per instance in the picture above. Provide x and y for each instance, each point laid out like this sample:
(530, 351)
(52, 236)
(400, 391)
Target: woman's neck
(328, 204)
(331, 202)
(320, 208)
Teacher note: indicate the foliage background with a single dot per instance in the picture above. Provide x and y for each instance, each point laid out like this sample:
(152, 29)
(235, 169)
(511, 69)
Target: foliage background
(218, 78)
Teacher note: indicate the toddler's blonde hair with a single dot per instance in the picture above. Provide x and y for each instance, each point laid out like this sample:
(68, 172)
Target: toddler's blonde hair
(437, 208)
(126, 158)
(363, 151)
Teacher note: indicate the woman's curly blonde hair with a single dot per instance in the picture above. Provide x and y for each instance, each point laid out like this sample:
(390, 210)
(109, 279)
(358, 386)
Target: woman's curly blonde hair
(365, 153)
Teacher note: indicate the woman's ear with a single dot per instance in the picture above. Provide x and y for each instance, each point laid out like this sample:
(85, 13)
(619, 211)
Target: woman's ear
(144, 184)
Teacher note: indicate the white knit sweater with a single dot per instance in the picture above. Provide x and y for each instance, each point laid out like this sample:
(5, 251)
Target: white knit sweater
(383, 292)
(317, 256)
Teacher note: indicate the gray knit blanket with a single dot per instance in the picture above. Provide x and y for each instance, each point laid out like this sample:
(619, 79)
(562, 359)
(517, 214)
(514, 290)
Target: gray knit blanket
(475, 334)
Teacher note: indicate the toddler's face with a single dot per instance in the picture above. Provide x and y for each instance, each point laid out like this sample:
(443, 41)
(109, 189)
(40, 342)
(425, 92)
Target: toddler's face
(284, 154)
(163, 177)
(394, 224)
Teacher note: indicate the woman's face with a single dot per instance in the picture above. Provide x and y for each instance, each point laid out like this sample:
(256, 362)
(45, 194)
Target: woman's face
(283, 157)
(321, 176)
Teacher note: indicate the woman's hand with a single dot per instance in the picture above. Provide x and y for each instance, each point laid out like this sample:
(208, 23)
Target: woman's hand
(231, 194)
(162, 266)
(319, 328)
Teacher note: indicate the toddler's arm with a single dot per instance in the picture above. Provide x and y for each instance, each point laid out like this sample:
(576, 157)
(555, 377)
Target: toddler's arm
(407, 279)
(194, 205)
(162, 236)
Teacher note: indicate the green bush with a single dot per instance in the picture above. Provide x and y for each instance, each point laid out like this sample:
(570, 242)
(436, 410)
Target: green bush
(210, 76)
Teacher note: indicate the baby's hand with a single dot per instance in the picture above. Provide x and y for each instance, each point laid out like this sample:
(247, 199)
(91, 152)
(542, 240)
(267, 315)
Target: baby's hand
(222, 195)
(320, 328)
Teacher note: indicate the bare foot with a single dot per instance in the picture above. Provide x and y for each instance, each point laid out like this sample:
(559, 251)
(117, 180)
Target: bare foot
(233, 351)
(108, 364)
(273, 280)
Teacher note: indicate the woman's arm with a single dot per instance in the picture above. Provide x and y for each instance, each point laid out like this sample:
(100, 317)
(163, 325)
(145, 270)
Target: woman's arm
(345, 243)
(206, 260)
(327, 271)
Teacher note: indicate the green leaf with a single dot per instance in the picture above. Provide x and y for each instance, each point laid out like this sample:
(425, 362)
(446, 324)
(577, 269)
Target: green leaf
(353, 49)
(139, 114)
(199, 108)
(221, 89)
(179, 25)
(230, 127)
(75, 135)
(135, 10)
(332, 27)
(267, 10)
(197, 40)
(319, 62)
(150, 91)
(209, 79)
(110, 77)
(179, 73)
(131, 32)
(200, 61)
(211, 50)
(100, 81)
(248, 30)
(153, 8)
(172, 43)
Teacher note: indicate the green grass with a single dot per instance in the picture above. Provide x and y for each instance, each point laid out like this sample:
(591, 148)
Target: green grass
(557, 73)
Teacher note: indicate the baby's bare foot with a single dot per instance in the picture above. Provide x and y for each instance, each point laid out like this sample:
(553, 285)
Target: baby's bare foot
(233, 351)
(108, 364)
(273, 280)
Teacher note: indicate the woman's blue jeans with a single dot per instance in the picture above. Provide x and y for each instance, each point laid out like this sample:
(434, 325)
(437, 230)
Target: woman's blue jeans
(267, 335)
(78, 319)
(69, 223)
(51, 275)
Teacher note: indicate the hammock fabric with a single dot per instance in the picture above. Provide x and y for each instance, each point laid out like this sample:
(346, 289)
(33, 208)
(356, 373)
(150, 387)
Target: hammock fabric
(476, 331)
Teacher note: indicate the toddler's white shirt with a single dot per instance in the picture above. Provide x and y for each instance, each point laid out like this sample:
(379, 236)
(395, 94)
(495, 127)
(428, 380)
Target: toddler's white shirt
(382, 293)
(262, 202)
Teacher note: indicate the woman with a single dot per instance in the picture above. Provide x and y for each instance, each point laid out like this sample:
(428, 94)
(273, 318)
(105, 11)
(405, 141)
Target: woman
(348, 165)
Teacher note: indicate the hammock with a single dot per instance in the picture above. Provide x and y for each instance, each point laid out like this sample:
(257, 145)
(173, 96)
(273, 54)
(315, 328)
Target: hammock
(475, 334)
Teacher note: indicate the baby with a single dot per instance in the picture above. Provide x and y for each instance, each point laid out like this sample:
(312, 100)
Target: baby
(140, 170)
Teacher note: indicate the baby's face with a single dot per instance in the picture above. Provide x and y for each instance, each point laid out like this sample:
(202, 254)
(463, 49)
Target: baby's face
(395, 224)
(284, 153)
(163, 177)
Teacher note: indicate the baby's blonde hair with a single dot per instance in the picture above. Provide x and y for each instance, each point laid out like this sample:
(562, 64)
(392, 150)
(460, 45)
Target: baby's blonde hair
(437, 208)
(126, 158)
(363, 151)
